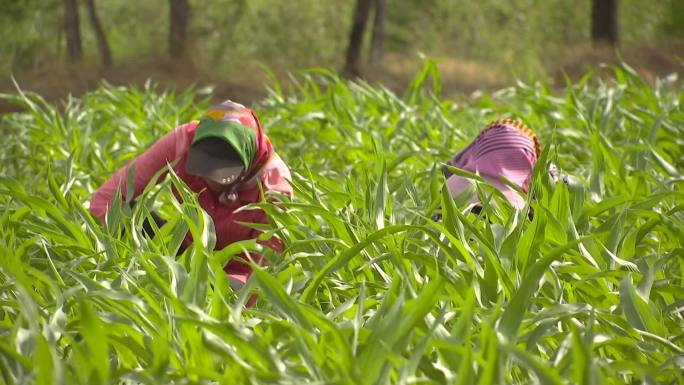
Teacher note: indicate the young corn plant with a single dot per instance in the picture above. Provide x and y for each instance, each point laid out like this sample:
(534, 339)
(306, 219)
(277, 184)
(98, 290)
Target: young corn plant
(369, 289)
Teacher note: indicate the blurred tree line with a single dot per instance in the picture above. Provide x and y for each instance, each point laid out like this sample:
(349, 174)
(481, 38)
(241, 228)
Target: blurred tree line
(229, 35)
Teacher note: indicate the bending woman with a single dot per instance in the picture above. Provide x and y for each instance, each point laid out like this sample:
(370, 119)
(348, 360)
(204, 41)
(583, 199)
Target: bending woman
(223, 157)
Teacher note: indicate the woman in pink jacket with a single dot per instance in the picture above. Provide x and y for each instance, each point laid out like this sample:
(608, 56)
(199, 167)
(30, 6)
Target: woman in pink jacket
(223, 157)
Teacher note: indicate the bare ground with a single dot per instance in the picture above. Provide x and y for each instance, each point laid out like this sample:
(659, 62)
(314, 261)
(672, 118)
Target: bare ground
(459, 75)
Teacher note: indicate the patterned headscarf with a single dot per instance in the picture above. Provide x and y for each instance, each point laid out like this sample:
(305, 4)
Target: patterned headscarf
(505, 148)
(239, 126)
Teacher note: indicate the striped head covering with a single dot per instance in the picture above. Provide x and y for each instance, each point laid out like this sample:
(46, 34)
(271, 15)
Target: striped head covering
(506, 148)
(257, 150)
(229, 145)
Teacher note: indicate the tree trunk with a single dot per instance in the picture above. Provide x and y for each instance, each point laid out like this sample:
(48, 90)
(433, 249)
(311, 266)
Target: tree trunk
(376, 49)
(179, 16)
(353, 66)
(73, 31)
(102, 44)
(604, 22)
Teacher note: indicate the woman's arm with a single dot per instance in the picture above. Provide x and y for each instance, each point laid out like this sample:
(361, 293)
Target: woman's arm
(166, 150)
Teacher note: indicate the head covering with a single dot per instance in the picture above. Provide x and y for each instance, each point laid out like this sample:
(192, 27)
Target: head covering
(229, 145)
(506, 148)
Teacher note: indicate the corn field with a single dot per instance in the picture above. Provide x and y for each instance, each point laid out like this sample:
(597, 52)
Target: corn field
(370, 288)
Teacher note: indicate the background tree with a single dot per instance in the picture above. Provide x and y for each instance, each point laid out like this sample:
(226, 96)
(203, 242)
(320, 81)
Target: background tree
(73, 31)
(604, 22)
(102, 44)
(494, 38)
(353, 58)
(179, 15)
(376, 48)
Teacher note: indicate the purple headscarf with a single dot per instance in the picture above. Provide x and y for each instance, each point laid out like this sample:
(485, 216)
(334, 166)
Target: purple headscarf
(506, 148)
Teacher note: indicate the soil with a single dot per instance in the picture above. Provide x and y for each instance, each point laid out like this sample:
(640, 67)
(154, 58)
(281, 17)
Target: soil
(459, 76)
(57, 82)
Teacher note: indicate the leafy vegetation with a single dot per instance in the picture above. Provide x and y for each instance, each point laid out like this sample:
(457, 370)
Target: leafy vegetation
(370, 289)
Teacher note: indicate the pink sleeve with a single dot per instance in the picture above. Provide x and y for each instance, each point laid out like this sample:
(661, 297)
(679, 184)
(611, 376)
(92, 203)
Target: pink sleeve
(277, 179)
(166, 150)
(277, 176)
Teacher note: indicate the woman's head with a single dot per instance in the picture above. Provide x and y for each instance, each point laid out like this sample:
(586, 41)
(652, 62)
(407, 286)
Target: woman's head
(229, 147)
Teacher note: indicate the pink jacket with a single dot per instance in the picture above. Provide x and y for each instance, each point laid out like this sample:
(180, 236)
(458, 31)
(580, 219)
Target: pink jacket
(174, 147)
